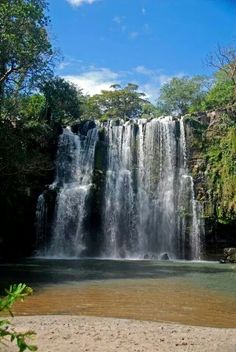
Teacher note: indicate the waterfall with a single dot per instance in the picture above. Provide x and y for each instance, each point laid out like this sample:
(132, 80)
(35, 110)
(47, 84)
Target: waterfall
(147, 205)
(74, 168)
(195, 207)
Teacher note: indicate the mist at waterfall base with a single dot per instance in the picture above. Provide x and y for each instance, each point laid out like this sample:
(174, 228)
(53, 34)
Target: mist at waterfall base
(122, 190)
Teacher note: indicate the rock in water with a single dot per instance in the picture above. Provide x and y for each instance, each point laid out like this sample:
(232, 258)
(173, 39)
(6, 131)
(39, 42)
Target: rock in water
(164, 256)
(230, 255)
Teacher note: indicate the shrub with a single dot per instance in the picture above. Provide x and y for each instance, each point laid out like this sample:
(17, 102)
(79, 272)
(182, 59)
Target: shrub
(15, 293)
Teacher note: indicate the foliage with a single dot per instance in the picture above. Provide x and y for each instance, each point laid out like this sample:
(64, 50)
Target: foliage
(196, 94)
(27, 140)
(63, 101)
(220, 157)
(221, 94)
(25, 108)
(178, 95)
(92, 109)
(32, 107)
(224, 60)
(15, 293)
(119, 103)
(25, 51)
(149, 111)
(20, 147)
(27, 152)
(214, 150)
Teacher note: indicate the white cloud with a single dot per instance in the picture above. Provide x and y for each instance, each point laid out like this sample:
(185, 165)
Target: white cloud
(146, 28)
(152, 80)
(118, 19)
(156, 75)
(62, 65)
(152, 91)
(120, 22)
(80, 2)
(164, 79)
(143, 11)
(143, 70)
(94, 81)
(133, 35)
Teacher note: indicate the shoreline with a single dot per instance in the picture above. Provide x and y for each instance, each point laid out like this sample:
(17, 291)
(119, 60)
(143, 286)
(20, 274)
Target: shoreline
(60, 333)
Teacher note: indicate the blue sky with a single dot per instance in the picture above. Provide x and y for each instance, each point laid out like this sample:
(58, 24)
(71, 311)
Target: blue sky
(141, 41)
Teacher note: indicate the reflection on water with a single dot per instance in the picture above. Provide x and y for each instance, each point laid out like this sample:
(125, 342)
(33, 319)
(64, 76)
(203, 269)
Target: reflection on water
(189, 293)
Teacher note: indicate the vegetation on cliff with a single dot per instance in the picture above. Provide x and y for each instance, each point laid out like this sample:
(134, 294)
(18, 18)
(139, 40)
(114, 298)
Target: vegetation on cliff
(214, 164)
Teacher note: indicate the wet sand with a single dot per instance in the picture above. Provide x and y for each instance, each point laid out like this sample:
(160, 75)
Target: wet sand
(92, 334)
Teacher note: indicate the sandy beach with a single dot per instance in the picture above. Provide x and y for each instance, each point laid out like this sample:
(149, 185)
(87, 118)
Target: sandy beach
(92, 334)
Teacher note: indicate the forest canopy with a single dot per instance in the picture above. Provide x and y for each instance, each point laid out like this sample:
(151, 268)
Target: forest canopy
(26, 52)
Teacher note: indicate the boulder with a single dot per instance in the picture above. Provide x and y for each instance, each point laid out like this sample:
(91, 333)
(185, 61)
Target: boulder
(82, 127)
(149, 256)
(230, 255)
(164, 256)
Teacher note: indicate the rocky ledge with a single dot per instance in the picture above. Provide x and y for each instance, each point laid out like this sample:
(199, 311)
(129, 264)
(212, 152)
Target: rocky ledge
(229, 255)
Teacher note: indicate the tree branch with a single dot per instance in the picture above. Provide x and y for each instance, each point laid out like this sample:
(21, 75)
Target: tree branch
(9, 72)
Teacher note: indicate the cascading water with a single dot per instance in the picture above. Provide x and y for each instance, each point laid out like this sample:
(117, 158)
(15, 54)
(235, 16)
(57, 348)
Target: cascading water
(74, 179)
(119, 208)
(147, 205)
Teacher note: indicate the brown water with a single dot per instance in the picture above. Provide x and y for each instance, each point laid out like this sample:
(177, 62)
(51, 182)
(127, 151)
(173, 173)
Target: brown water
(196, 294)
(154, 300)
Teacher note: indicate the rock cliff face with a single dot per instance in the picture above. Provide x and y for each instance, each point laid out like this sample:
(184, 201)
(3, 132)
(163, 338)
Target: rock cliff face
(211, 140)
(31, 169)
(229, 255)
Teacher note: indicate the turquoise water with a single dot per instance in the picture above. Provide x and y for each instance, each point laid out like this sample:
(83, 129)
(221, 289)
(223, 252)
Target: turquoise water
(40, 273)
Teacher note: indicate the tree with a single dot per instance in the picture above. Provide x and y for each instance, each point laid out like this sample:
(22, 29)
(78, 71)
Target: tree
(149, 111)
(32, 107)
(179, 94)
(24, 109)
(25, 50)
(224, 90)
(118, 103)
(221, 94)
(224, 60)
(63, 100)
